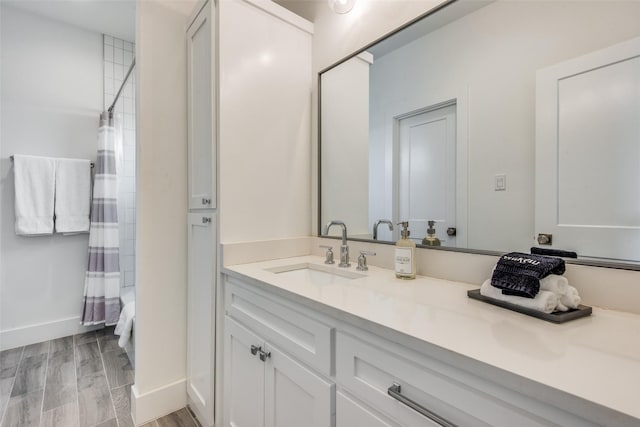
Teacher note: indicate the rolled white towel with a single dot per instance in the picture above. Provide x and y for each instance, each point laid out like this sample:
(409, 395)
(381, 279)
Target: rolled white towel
(545, 301)
(555, 283)
(571, 299)
(561, 306)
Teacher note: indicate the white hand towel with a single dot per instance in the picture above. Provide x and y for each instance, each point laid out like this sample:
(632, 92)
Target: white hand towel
(125, 323)
(571, 299)
(555, 283)
(34, 194)
(73, 195)
(544, 301)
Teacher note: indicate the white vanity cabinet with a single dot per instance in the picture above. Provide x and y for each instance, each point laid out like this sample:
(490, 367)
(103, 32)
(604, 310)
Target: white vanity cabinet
(201, 110)
(327, 367)
(431, 392)
(266, 384)
(351, 413)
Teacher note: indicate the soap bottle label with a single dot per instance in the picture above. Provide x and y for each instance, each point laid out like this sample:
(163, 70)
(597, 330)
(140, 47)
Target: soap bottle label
(404, 263)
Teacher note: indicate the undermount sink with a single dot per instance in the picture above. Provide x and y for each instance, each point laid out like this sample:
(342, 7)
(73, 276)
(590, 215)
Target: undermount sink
(315, 273)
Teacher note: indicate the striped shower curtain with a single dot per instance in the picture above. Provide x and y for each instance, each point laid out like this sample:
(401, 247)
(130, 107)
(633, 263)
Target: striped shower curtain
(102, 279)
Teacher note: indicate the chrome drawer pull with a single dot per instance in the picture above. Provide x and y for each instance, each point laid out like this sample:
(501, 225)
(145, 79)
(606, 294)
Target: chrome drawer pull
(255, 349)
(395, 391)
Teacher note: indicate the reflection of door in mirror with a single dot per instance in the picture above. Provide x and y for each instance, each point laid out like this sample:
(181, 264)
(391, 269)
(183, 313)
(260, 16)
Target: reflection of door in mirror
(426, 173)
(588, 153)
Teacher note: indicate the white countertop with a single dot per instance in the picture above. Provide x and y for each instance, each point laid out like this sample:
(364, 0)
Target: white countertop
(595, 358)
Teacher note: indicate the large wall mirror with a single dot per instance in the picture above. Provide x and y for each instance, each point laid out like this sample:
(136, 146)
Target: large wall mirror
(499, 121)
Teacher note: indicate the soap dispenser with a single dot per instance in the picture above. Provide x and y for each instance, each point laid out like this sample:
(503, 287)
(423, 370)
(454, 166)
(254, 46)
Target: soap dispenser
(405, 259)
(431, 239)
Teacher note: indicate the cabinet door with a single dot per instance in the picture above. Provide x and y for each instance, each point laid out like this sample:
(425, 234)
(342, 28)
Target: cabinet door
(201, 251)
(202, 152)
(294, 395)
(243, 378)
(349, 413)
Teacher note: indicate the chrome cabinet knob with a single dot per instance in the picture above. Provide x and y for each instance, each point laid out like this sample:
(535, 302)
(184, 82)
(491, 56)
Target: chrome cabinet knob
(264, 355)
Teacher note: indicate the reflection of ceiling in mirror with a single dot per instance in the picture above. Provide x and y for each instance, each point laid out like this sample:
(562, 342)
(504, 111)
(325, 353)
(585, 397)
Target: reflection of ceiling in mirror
(425, 26)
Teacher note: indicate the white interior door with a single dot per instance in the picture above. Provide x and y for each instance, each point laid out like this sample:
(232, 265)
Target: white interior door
(588, 153)
(201, 250)
(427, 172)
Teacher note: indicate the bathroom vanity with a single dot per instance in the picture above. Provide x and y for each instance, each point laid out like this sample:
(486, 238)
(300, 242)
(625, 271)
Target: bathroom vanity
(311, 344)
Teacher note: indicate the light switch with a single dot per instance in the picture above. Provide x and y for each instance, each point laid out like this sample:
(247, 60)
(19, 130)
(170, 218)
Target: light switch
(501, 182)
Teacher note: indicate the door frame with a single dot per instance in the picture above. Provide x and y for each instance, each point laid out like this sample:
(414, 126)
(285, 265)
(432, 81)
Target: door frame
(401, 110)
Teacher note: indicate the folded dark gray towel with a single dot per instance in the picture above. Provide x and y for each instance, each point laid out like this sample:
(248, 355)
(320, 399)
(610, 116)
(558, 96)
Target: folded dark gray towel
(553, 252)
(519, 274)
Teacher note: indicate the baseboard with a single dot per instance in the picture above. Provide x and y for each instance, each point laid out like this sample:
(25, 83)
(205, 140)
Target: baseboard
(25, 335)
(157, 403)
(195, 412)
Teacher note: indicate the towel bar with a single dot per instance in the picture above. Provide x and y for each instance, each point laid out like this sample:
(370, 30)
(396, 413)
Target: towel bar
(92, 164)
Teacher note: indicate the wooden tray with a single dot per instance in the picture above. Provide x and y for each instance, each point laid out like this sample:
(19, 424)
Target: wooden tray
(556, 317)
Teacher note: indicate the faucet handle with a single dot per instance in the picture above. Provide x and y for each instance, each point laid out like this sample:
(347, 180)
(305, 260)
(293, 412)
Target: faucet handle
(362, 260)
(328, 257)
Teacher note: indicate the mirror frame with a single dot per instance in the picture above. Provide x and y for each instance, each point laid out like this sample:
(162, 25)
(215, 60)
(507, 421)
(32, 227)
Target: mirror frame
(579, 261)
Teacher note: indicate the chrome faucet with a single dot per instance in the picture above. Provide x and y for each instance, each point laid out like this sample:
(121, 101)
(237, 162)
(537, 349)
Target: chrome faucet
(344, 249)
(377, 223)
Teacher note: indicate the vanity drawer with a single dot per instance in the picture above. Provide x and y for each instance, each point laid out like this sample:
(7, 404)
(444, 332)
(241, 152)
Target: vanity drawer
(282, 323)
(351, 413)
(369, 371)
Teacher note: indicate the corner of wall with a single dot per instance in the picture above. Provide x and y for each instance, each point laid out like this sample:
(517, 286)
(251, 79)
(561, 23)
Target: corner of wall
(161, 232)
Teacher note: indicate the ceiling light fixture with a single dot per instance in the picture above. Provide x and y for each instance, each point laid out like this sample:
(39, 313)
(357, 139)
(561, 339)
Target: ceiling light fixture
(341, 6)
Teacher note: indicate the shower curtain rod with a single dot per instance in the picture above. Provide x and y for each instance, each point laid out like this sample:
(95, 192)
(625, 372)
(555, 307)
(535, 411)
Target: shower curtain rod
(11, 158)
(133, 63)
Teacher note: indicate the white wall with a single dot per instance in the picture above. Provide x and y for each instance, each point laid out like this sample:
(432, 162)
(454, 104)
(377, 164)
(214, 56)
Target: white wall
(345, 136)
(161, 291)
(51, 85)
(497, 51)
(264, 150)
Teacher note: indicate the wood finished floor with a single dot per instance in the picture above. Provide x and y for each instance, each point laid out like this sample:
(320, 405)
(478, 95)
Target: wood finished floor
(77, 381)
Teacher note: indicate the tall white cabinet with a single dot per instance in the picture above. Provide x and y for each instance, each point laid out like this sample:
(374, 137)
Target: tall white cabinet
(202, 218)
(249, 99)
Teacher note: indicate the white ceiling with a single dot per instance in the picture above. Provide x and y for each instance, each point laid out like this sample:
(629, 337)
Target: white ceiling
(308, 9)
(113, 17)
